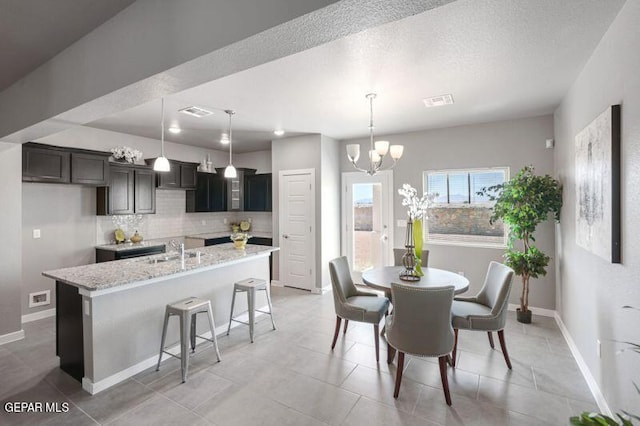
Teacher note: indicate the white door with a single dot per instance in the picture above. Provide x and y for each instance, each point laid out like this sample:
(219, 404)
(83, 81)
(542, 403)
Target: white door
(368, 214)
(297, 224)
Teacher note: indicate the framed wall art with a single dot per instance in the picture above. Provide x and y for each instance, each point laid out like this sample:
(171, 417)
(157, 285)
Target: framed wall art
(598, 186)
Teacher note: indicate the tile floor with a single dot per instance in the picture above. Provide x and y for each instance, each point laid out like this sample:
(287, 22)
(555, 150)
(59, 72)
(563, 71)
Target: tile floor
(291, 377)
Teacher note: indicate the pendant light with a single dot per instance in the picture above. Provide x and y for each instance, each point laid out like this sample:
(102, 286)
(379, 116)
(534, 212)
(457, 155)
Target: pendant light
(161, 164)
(377, 151)
(230, 171)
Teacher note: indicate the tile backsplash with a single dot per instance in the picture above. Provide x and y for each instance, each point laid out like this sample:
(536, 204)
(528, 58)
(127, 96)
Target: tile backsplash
(170, 220)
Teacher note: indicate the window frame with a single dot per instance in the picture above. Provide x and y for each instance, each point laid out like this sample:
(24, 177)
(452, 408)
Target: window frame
(425, 223)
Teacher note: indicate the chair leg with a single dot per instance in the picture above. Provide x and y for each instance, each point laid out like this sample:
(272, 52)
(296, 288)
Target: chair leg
(443, 376)
(503, 345)
(335, 335)
(192, 333)
(376, 335)
(268, 292)
(184, 345)
(455, 348)
(233, 303)
(491, 339)
(251, 301)
(164, 335)
(399, 374)
(212, 325)
(346, 324)
(391, 353)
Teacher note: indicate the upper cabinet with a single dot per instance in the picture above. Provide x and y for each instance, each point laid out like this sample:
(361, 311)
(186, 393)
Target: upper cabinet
(182, 175)
(235, 188)
(257, 193)
(131, 190)
(210, 194)
(52, 164)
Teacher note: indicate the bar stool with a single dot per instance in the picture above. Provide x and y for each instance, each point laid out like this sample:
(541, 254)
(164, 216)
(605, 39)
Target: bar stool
(187, 310)
(250, 285)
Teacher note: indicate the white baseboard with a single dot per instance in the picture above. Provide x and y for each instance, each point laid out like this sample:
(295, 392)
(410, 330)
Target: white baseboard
(584, 369)
(11, 337)
(39, 315)
(95, 387)
(538, 311)
(276, 283)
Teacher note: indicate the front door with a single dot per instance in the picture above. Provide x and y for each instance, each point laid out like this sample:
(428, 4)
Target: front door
(367, 213)
(297, 223)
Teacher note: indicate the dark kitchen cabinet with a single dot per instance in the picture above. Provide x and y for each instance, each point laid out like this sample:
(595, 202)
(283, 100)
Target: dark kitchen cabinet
(210, 194)
(54, 164)
(181, 175)
(131, 190)
(105, 255)
(90, 169)
(257, 193)
(235, 188)
(42, 163)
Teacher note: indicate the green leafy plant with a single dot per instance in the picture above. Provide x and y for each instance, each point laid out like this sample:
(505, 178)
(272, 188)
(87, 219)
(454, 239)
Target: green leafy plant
(523, 203)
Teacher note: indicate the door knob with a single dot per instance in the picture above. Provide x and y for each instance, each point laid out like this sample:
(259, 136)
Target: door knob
(285, 236)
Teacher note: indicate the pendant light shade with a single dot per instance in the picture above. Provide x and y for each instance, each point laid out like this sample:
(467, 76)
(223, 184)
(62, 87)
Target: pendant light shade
(230, 171)
(161, 164)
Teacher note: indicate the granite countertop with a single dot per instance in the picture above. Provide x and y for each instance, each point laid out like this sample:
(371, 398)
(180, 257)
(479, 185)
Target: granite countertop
(106, 275)
(211, 235)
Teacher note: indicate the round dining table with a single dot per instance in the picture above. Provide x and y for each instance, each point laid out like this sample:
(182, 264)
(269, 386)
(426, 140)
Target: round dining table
(381, 279)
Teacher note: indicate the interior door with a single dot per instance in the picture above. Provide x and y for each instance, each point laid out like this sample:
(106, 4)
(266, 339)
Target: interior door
(367, 216)
(297, 224)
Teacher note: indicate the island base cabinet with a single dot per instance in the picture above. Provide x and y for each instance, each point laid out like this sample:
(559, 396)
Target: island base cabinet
(69, 334)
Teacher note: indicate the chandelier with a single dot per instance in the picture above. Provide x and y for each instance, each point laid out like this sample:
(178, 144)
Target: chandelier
(377, 150)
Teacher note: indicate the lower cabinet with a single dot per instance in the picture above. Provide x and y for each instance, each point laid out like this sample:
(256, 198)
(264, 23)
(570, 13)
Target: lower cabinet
(104, 255)
(131, 190)
(210, 194)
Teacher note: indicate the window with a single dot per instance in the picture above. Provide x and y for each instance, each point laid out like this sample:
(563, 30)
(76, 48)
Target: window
(459, 215)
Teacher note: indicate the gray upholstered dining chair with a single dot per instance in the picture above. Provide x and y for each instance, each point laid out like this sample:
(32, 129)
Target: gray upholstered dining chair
(420, 325)
(399, 252)
(486, 311)
(354, 304)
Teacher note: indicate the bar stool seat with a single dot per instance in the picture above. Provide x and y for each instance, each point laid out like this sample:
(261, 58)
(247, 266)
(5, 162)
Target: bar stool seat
(251, 286)
(186, 310)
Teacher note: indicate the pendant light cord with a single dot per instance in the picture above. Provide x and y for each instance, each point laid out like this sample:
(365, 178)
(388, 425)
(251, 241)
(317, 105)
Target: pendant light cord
(230, 136)
(162, 130)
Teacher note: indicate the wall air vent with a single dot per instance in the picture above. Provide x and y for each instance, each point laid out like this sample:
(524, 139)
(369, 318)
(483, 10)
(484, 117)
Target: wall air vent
(438, 101)
(195, 111)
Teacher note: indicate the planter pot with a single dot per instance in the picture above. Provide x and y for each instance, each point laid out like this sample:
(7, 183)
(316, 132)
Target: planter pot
(523, 317)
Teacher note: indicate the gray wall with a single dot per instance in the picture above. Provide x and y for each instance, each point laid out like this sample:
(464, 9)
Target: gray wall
(66, 217)
(302, 152)
(591, 291)
(513, 143)
(330, 205)
(10, 249)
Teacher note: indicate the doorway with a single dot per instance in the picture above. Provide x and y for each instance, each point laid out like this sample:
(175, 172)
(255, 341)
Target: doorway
(297, 228)
(367, 212)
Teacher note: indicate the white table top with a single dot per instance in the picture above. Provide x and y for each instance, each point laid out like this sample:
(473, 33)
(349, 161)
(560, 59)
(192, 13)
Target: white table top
(381, 279)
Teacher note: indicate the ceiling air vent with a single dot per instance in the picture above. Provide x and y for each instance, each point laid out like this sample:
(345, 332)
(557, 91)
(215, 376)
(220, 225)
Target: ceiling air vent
(195, 111)
(438, 101)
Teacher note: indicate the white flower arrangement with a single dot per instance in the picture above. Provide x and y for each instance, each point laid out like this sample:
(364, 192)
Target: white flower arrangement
(417, 206)
(126, 153)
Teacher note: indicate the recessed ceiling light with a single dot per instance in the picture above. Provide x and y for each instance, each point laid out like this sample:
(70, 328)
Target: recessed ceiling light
(224, 139)
(278, 132)
(195, 111)
(175, 130)
(438, 100)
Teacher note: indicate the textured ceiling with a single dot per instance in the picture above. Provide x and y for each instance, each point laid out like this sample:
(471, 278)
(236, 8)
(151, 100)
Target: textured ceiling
(500, 59)
(34, 31)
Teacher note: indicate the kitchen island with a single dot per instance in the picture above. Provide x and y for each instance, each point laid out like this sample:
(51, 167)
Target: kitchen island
(110, 315)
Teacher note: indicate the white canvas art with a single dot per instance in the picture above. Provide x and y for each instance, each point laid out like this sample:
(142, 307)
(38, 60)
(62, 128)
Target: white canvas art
(594, 186)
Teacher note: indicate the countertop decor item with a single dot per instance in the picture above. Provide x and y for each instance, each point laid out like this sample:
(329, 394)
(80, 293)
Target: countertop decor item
(523, 203)
(245, 225)
(240, 240)
(417, 211)
(126, 154)
(136, 238)
(377, 151)
(119, 236)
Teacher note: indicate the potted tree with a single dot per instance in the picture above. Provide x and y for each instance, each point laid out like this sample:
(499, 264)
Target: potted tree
(522, 203)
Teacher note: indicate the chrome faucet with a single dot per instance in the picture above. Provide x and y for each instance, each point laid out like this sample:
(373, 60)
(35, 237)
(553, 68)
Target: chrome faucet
(179, 247)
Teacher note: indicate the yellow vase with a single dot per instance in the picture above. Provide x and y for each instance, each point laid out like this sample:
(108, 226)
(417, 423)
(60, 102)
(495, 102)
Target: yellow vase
(417, 241)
